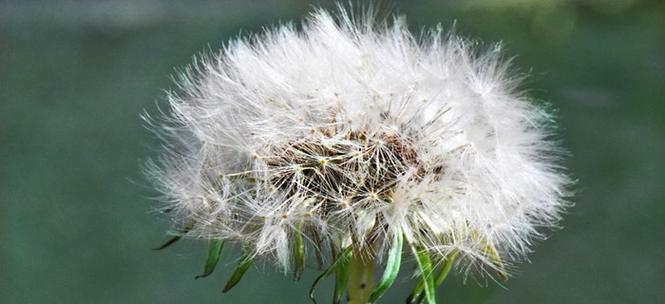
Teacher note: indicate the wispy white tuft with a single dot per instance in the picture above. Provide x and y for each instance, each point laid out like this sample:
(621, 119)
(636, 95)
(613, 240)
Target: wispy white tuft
(349, 131)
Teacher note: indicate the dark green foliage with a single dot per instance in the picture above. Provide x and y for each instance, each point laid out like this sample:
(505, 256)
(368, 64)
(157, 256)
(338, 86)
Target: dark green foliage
(245, 263)
(214, 253)
(392, 267)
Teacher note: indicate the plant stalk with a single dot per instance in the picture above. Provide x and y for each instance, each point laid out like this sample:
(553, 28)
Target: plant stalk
(361, 279)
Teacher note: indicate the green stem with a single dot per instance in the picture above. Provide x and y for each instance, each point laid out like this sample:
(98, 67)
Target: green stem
(361, 279)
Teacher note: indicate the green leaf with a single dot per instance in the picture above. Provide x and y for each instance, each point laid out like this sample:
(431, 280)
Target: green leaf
(341, 279)
(298, 252)
(183, 230)
(317, 240)
(341, 261)
(490, 251)
(392, 268)
(214, 252)
(427, 278)
(239, 272)
(417, 295)
(445, 268)
(168, 243)
(494, 256)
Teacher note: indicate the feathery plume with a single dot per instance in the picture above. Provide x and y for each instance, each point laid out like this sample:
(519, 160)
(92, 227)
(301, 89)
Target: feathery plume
(351, 137)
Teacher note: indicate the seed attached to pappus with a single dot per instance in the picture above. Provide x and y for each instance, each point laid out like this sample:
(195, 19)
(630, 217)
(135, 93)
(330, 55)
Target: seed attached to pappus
(354, 142)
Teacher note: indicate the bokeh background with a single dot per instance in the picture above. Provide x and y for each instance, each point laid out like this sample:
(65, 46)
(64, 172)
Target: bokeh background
(76, 219)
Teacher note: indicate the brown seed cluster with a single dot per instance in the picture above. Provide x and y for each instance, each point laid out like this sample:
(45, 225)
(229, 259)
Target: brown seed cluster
(343, 170)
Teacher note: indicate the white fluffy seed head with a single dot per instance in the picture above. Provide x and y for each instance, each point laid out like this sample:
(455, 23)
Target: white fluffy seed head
(349, 131)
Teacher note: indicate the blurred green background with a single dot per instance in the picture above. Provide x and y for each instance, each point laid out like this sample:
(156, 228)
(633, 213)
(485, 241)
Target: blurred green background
(76, 224)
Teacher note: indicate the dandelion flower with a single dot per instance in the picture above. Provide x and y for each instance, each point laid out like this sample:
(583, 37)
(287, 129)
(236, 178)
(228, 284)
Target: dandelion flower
(353, 142)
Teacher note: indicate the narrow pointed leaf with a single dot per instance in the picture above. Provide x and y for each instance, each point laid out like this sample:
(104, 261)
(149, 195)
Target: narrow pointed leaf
(392, 268)
(341, 279)
(421, 298)
(298, 253)
(425, 266)
(445, 268)
(494, 256)
(490, 252)
(317, 240)
(239, 272)
(214, 252)
(184, 229)
(417, 295)
(343, 258)
(168, 243)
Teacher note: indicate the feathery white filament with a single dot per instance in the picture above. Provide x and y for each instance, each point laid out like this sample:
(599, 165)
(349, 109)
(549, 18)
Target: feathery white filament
(354, 130)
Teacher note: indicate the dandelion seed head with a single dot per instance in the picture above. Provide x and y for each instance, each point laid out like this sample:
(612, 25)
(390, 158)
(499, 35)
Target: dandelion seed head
(352, 130)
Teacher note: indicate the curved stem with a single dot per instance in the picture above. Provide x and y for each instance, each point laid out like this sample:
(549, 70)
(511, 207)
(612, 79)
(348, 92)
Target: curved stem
(361, 279)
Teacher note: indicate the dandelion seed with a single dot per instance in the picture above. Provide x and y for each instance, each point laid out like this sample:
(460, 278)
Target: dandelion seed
(348, 136)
